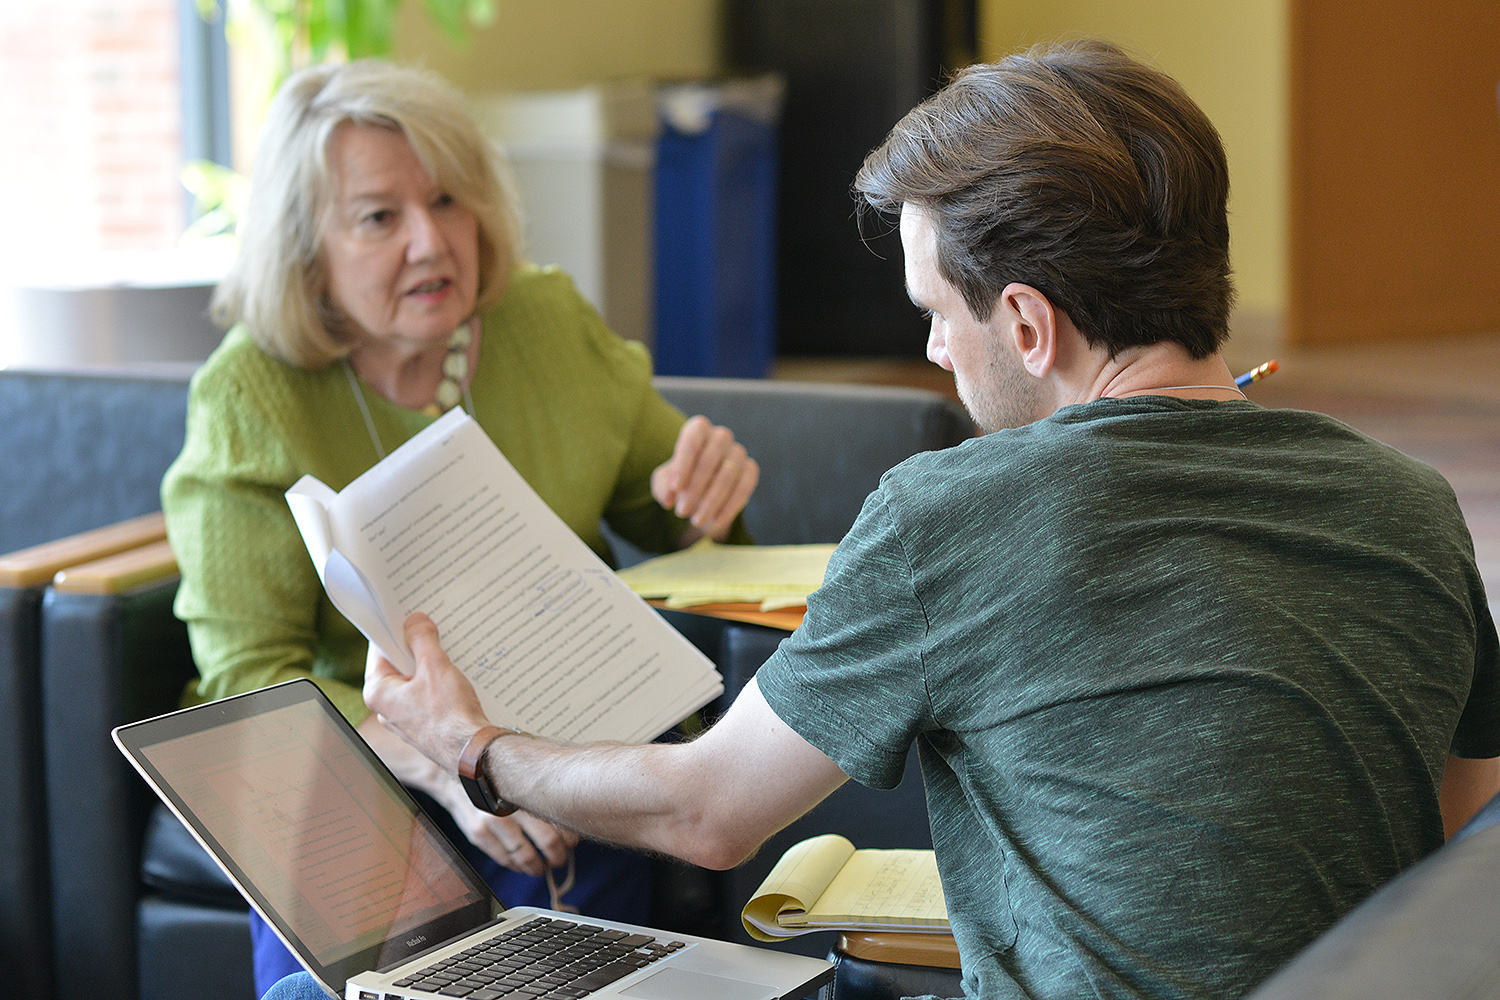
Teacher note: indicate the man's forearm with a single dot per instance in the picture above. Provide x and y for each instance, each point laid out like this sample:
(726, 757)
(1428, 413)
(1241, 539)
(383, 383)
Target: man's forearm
(635, 796)
(712, 801)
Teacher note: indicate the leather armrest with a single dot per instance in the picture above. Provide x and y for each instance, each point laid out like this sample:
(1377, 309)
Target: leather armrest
(891, 965)
(877, 973)
(107, 659)
(25, 906)
(25, 885)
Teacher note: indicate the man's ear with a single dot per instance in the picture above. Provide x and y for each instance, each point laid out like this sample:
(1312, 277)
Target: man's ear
(1030, 322)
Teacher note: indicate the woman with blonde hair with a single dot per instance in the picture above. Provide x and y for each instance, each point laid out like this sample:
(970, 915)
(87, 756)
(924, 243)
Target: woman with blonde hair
(379, 284)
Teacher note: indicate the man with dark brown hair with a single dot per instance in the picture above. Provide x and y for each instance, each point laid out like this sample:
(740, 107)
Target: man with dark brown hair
(1082, 173)
(1189, 678)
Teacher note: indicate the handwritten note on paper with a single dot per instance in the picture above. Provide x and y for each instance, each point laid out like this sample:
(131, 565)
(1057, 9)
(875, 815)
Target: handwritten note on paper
(892, 887)
(551, 639)
(823, 882)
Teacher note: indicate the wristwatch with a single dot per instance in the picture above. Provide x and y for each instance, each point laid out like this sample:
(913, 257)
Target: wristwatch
(471, 770)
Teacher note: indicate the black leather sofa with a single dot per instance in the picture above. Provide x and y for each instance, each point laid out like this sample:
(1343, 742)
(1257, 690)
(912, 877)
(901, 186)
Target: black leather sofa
(83, 451)
(110, 898)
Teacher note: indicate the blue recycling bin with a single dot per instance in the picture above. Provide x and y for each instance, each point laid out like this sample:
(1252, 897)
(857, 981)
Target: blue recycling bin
(716, 228)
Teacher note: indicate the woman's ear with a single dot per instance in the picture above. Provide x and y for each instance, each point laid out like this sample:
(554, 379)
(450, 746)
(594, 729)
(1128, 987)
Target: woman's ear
(1030, 323)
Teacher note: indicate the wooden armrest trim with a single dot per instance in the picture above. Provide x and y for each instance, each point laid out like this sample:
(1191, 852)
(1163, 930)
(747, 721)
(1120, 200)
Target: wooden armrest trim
(37, 565)
(119, 572)
(938, 951)
(789, 619)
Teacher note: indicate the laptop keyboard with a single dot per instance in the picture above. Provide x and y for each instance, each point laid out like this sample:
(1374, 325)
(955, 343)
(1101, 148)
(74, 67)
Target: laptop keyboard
(542, 959)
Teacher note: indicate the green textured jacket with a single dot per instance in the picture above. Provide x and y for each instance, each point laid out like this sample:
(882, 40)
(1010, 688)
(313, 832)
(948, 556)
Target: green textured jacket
(568, 402)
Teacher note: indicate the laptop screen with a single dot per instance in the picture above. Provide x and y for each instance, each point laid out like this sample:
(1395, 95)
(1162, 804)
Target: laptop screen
(313, 827)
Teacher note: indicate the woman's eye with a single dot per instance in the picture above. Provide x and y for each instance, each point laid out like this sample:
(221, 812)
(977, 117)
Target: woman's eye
(444, 200)
(379, 217)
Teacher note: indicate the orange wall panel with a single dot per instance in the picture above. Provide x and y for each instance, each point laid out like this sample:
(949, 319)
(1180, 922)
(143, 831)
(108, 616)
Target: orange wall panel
(1394, 196)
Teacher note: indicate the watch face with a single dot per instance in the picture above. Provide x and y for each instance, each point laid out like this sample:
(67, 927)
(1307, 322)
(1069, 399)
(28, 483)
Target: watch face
(471, 772)
(479, 793)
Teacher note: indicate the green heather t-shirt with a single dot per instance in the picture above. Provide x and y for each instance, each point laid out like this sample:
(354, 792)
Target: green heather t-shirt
(1183, 675)
(569, 403)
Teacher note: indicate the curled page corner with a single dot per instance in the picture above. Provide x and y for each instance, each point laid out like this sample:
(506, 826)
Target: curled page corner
(310, 499)
(352, 594)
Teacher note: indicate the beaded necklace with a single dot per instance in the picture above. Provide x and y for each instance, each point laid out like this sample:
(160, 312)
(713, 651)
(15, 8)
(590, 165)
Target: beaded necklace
(453, 388)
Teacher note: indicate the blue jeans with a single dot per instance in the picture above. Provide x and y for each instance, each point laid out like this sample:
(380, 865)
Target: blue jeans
(299, 986)
(611, 883)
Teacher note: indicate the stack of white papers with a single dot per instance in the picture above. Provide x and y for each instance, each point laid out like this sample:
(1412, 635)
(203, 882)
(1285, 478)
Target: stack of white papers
(554, 643)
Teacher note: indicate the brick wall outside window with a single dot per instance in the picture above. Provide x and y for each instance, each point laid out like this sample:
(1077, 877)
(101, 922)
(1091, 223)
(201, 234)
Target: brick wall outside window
(91, 112)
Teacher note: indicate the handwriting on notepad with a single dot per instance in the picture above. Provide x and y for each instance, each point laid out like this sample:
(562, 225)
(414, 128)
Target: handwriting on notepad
(900, 877)
(823, 882)
(886, 887)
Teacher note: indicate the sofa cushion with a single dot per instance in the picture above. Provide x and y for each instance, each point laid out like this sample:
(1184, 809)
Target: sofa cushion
(85, 449)
(176, 865)
(188, 952)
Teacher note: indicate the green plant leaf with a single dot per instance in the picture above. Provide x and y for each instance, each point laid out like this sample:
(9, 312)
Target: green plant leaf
(449, 16)
(296, 33)
(481, 12)
(326, 26)
(370, 28)
(219, 197)
(455, 17)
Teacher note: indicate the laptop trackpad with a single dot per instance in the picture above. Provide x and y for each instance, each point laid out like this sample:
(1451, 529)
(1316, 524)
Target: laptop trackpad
(680, 984)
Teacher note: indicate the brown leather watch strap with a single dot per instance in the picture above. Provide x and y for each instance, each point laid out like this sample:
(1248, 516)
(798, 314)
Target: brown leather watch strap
(471, 771)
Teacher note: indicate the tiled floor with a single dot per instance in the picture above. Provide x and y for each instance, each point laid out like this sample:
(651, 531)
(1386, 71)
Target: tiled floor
(1436, 400)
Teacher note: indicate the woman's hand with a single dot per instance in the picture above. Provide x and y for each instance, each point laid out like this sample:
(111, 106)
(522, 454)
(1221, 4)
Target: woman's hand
(502, 837)
(708, 480)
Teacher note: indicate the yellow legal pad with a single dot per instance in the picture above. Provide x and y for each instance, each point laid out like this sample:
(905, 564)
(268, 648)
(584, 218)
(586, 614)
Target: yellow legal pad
(825, 884)
(773, 576)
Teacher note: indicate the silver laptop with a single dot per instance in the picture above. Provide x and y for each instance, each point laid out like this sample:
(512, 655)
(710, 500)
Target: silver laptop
(372, 898)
